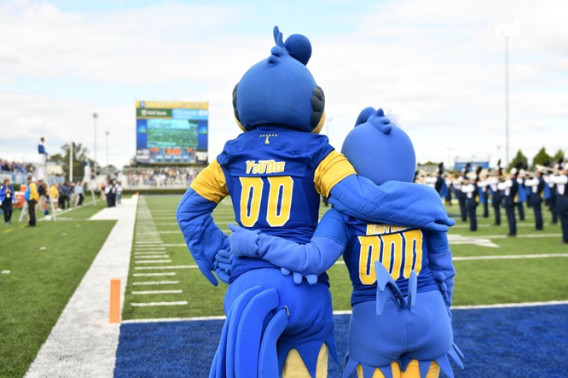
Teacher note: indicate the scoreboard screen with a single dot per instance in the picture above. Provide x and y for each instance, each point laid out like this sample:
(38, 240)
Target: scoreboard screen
(171, 132)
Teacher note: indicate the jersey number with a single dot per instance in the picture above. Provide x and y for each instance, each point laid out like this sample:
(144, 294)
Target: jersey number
(390, 250)
(279, 200)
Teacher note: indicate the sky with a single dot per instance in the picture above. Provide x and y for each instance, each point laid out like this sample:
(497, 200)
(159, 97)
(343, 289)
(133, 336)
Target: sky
(435, 64)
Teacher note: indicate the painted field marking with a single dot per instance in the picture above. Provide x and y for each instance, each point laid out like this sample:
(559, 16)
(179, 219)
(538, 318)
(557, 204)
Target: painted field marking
(170, 232)
(145, 256)
(152, 261)
(166, 267)
(504, 257)
(174, 245)
(154, 274)
(348, 312)
(155, 283)
(150, 292)
(114, 303)
(5, 272)
(503, 225)
(151, 304)
(524, 236)
(480, 241)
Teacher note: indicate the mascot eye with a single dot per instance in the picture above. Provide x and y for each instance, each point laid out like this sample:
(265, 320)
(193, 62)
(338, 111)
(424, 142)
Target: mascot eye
(318, 105)
(235, 102)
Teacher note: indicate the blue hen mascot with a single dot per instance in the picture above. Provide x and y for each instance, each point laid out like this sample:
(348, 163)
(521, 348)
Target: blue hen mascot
(402, 276)
(275, 172)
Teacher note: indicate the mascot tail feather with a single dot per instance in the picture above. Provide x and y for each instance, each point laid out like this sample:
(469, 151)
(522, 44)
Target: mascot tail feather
(222, 367)
(268, 360)
(249, 333)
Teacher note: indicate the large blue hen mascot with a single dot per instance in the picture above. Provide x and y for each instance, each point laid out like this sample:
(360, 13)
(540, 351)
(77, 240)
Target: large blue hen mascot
(402, 276)
(275, 172)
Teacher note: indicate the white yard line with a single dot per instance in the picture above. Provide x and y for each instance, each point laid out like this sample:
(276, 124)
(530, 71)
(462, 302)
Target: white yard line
(152, 261)
(155, 283)
(83, 343)
(348, 312)
(145, 256)
(153, 304)
(166, 267)
(505, 257)
(154, 274)
(149, 292)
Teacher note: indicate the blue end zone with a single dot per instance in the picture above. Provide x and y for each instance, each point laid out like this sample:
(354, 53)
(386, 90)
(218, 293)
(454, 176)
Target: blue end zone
(506, 342)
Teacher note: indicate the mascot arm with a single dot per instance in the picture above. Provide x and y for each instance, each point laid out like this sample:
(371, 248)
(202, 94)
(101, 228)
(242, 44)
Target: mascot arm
(325, 247)
(394, 202)
(441, 266)
(202, 236)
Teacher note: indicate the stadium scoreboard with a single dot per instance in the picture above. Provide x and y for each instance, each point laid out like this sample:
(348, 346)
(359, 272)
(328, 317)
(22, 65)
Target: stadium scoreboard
(171, 132)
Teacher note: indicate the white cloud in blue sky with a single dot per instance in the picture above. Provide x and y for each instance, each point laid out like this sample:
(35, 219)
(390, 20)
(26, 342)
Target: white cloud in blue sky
(433, 62)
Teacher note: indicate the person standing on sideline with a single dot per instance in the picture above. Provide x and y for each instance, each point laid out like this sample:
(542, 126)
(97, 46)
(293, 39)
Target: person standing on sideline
(510, 189)
(6, 196)
(536, 185)
(41, 172)
(79, 191)
(54, 194)
(118, 193)
(560, 179)
(31, 196)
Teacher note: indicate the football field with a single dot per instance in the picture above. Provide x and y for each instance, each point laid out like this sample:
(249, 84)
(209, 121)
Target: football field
(510, 296)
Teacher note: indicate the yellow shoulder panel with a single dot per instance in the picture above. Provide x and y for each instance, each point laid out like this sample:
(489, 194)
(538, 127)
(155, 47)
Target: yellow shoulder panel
(210, 183)
(334, 168)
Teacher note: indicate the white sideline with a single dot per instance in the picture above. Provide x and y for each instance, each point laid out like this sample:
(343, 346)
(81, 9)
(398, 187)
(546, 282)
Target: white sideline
(83, 343)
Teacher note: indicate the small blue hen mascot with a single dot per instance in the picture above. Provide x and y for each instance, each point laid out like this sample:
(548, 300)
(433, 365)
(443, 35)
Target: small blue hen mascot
(402, 276)
(275, 172)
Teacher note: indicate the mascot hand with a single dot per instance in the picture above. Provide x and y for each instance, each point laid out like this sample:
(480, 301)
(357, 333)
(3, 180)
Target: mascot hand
(297, 277)
(243, 241)
(223, 264)
(381, 122)
(441, 280)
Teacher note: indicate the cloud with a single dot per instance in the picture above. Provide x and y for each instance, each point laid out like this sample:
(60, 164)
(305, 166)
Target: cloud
(435, 63)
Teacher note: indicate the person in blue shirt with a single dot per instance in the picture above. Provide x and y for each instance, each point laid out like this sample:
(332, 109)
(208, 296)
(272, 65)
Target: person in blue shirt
(402, 276)
(6, 198)
(275, 173)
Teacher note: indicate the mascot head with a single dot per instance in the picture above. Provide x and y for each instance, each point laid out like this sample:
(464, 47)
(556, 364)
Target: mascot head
(379, 152)
(279, 90)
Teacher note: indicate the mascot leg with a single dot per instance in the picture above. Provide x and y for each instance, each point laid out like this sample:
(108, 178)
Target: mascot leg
(378, 373)
(418, 369)
(294, 367)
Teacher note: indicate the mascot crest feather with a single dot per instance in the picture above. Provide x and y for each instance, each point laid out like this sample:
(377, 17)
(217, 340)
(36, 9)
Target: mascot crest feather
(280, 90)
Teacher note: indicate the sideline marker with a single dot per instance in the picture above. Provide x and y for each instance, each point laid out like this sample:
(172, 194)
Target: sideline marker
(114, 307)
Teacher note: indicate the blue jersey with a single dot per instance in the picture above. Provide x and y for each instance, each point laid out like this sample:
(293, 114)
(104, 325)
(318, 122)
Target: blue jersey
(400, 249)
(275, 178)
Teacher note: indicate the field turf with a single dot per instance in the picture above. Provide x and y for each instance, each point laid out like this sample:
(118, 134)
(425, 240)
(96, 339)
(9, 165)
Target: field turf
(42, 266)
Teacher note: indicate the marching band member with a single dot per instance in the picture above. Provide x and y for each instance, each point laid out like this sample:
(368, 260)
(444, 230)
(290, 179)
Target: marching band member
(510, 189)
(536, 186)
(471, 193)
(560, 179)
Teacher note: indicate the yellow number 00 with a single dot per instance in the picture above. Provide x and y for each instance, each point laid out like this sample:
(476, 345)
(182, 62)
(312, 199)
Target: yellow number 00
(391, 246)
(251, 198)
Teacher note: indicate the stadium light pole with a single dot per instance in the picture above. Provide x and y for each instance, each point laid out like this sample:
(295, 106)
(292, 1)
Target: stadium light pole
(106, 133)
(505, 30)
(95, 115)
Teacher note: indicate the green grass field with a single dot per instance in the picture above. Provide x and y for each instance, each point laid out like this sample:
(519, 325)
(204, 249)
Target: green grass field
(478, 282)
(47, 263)
(41, 268)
